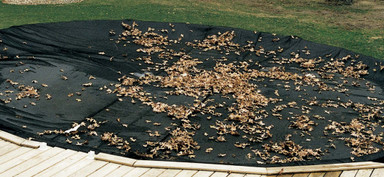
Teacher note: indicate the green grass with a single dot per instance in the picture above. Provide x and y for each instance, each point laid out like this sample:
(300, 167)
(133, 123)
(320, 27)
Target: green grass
(340, 26)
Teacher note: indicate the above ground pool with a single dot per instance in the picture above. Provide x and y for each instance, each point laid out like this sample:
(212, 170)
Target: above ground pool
(192, 93)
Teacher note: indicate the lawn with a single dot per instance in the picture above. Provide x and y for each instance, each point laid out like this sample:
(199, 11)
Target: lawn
(358, 27)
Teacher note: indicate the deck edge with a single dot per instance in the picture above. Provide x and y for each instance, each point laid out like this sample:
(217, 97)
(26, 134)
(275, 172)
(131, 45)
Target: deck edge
(18, 140)
(207, 167)
(115, 159)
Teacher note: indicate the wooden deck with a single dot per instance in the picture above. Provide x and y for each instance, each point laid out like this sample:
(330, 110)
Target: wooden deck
(19, 160)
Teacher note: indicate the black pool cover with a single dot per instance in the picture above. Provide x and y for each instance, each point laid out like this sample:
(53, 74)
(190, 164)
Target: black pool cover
(187, 92)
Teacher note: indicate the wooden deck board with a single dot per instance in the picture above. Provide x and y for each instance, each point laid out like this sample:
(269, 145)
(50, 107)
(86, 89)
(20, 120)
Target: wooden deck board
(348, 173)
(122, 170)
(47, 163)
(31, 161)
(13, 154)
(89, 169)
(7, 148)
(186, 173)
(252, 175)
(219, 174)
(56, 168)
(170, 173)
(7, 166)
(66, 170)
(378, 172)
(4, 143)
(153, 172)
(301, 175)
(318, 174)
(364, 173)
(136, 172)
(236, 175)
(203, 174)
(105, 170)
(333, 174)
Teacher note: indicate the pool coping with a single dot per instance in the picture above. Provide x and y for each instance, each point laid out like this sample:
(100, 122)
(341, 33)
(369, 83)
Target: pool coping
(204, 166)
